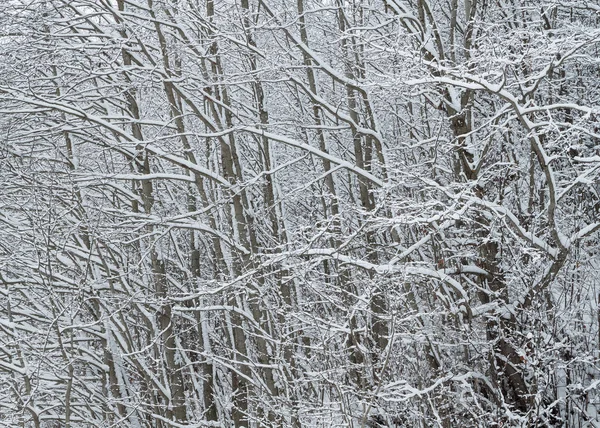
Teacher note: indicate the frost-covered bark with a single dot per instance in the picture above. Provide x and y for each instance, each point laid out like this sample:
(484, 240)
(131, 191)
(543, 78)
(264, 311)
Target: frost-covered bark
(270, 213)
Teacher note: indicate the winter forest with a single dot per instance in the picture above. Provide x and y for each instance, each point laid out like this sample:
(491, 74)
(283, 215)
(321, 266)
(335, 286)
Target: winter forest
(299, 213)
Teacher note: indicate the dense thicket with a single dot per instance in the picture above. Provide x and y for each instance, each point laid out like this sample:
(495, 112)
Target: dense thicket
(308, 213)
